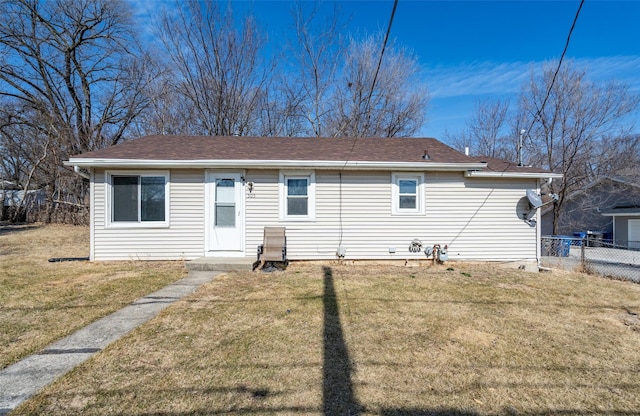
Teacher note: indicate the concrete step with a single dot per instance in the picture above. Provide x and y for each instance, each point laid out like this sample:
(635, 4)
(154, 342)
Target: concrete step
(220, 264)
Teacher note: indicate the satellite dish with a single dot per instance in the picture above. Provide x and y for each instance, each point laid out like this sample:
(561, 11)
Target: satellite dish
(534, 199)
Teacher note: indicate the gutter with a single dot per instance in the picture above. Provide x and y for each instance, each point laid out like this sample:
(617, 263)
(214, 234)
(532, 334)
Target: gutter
(491, 174)
(272, 164)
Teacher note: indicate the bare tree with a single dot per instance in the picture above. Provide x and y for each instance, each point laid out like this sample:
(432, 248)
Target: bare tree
(393, 106)
(167, 112)
(487, 132)
(616, 156)
(488, 125)
(71, 81)
(566, 133)
(314, 57)
(585, 205)
(230, 87)
(219, 67)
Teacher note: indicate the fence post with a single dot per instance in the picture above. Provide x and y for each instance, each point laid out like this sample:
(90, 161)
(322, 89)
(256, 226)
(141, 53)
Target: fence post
(582, 249)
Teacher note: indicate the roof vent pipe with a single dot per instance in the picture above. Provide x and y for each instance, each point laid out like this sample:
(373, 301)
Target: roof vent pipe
(466, 151)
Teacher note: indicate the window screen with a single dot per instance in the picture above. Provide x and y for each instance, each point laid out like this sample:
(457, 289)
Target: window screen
(297, 196)
(138, 198)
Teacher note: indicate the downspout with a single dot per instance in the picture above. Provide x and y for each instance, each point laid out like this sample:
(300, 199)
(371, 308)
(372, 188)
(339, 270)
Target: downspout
(87, 176)
(77, 170)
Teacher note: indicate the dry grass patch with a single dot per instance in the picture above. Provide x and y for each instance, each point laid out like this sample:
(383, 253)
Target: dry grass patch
(339, 339)
(40, 302)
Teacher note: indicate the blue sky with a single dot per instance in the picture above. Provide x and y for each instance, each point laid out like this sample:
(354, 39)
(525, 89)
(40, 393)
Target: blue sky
(470, 50)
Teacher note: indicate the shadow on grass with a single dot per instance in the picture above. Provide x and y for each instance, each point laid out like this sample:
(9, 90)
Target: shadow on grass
(10, 228)
(337, 388)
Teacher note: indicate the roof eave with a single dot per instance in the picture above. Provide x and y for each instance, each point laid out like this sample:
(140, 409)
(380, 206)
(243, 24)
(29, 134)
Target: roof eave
(620, 214)
(270, 164)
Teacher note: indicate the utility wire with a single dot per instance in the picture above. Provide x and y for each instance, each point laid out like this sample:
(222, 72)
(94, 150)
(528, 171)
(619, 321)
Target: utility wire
(384, 46)
(355, 139)
(375, 76)
(553, 80)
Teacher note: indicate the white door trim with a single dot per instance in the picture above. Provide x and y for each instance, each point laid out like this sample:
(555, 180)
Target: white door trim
(209, 200)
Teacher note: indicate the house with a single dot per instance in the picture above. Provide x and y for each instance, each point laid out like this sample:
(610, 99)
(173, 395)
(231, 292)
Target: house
(13, 198)
(17, 197)
(608, 206)
(183, 197)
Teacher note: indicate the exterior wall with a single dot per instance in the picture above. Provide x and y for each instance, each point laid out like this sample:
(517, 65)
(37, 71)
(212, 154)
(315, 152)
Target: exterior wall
(546, 227)
(480, 219)
(621, 230)
(477, 218)
(183, 239)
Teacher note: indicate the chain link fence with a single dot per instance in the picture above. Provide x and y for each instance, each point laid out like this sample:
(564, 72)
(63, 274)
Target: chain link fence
(595, 256)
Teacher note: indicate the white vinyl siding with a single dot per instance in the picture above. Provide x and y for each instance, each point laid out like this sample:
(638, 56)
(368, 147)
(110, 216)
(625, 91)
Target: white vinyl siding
(476, 217)
(183, 239)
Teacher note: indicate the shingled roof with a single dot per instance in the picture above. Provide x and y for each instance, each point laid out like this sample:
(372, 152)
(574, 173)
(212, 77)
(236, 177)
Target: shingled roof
(280, 148)
(303, 151)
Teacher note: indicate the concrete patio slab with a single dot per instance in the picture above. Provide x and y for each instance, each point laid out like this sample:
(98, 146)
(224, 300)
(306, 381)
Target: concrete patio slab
(224, 264)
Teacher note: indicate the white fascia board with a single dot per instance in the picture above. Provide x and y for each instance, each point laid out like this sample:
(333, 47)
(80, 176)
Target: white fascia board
(522, 175)
(271, 164)
(620, 214)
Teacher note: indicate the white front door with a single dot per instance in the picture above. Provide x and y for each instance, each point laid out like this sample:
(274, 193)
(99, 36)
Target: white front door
(225, 213)
(634, 233)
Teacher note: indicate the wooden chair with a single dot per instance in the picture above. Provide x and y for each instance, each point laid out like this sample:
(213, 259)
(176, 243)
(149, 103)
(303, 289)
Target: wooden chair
(274, 247)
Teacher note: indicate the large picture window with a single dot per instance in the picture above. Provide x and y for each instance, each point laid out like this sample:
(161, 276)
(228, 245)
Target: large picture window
(138, 198)
(408, 194)
(297, 196)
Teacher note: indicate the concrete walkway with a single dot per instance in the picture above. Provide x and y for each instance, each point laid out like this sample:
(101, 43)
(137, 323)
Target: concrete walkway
(25, 378)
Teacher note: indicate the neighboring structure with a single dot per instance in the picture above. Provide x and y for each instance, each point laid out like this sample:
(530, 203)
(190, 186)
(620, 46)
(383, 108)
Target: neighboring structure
(13, 198)
(626, 226)
(17, 197)
(179, 197)
(608, 206)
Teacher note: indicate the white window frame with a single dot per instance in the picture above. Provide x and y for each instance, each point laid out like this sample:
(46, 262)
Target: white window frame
(310, 176)
(108, 200)
(395, 194)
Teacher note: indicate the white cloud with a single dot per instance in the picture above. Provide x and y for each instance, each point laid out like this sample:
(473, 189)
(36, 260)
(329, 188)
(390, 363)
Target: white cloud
(484, 78)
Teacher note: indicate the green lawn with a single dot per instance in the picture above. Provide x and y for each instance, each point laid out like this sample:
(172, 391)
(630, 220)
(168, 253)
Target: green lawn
(373, 340)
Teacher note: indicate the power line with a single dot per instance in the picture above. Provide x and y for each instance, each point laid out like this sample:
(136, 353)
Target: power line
(375, 76)
(355, 139)
(555, 74)
(384, 46)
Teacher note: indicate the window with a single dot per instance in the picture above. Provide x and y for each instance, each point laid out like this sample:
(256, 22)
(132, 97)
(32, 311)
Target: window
(408, 194)
(225, 215)
(139, 199)
(297, 196)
